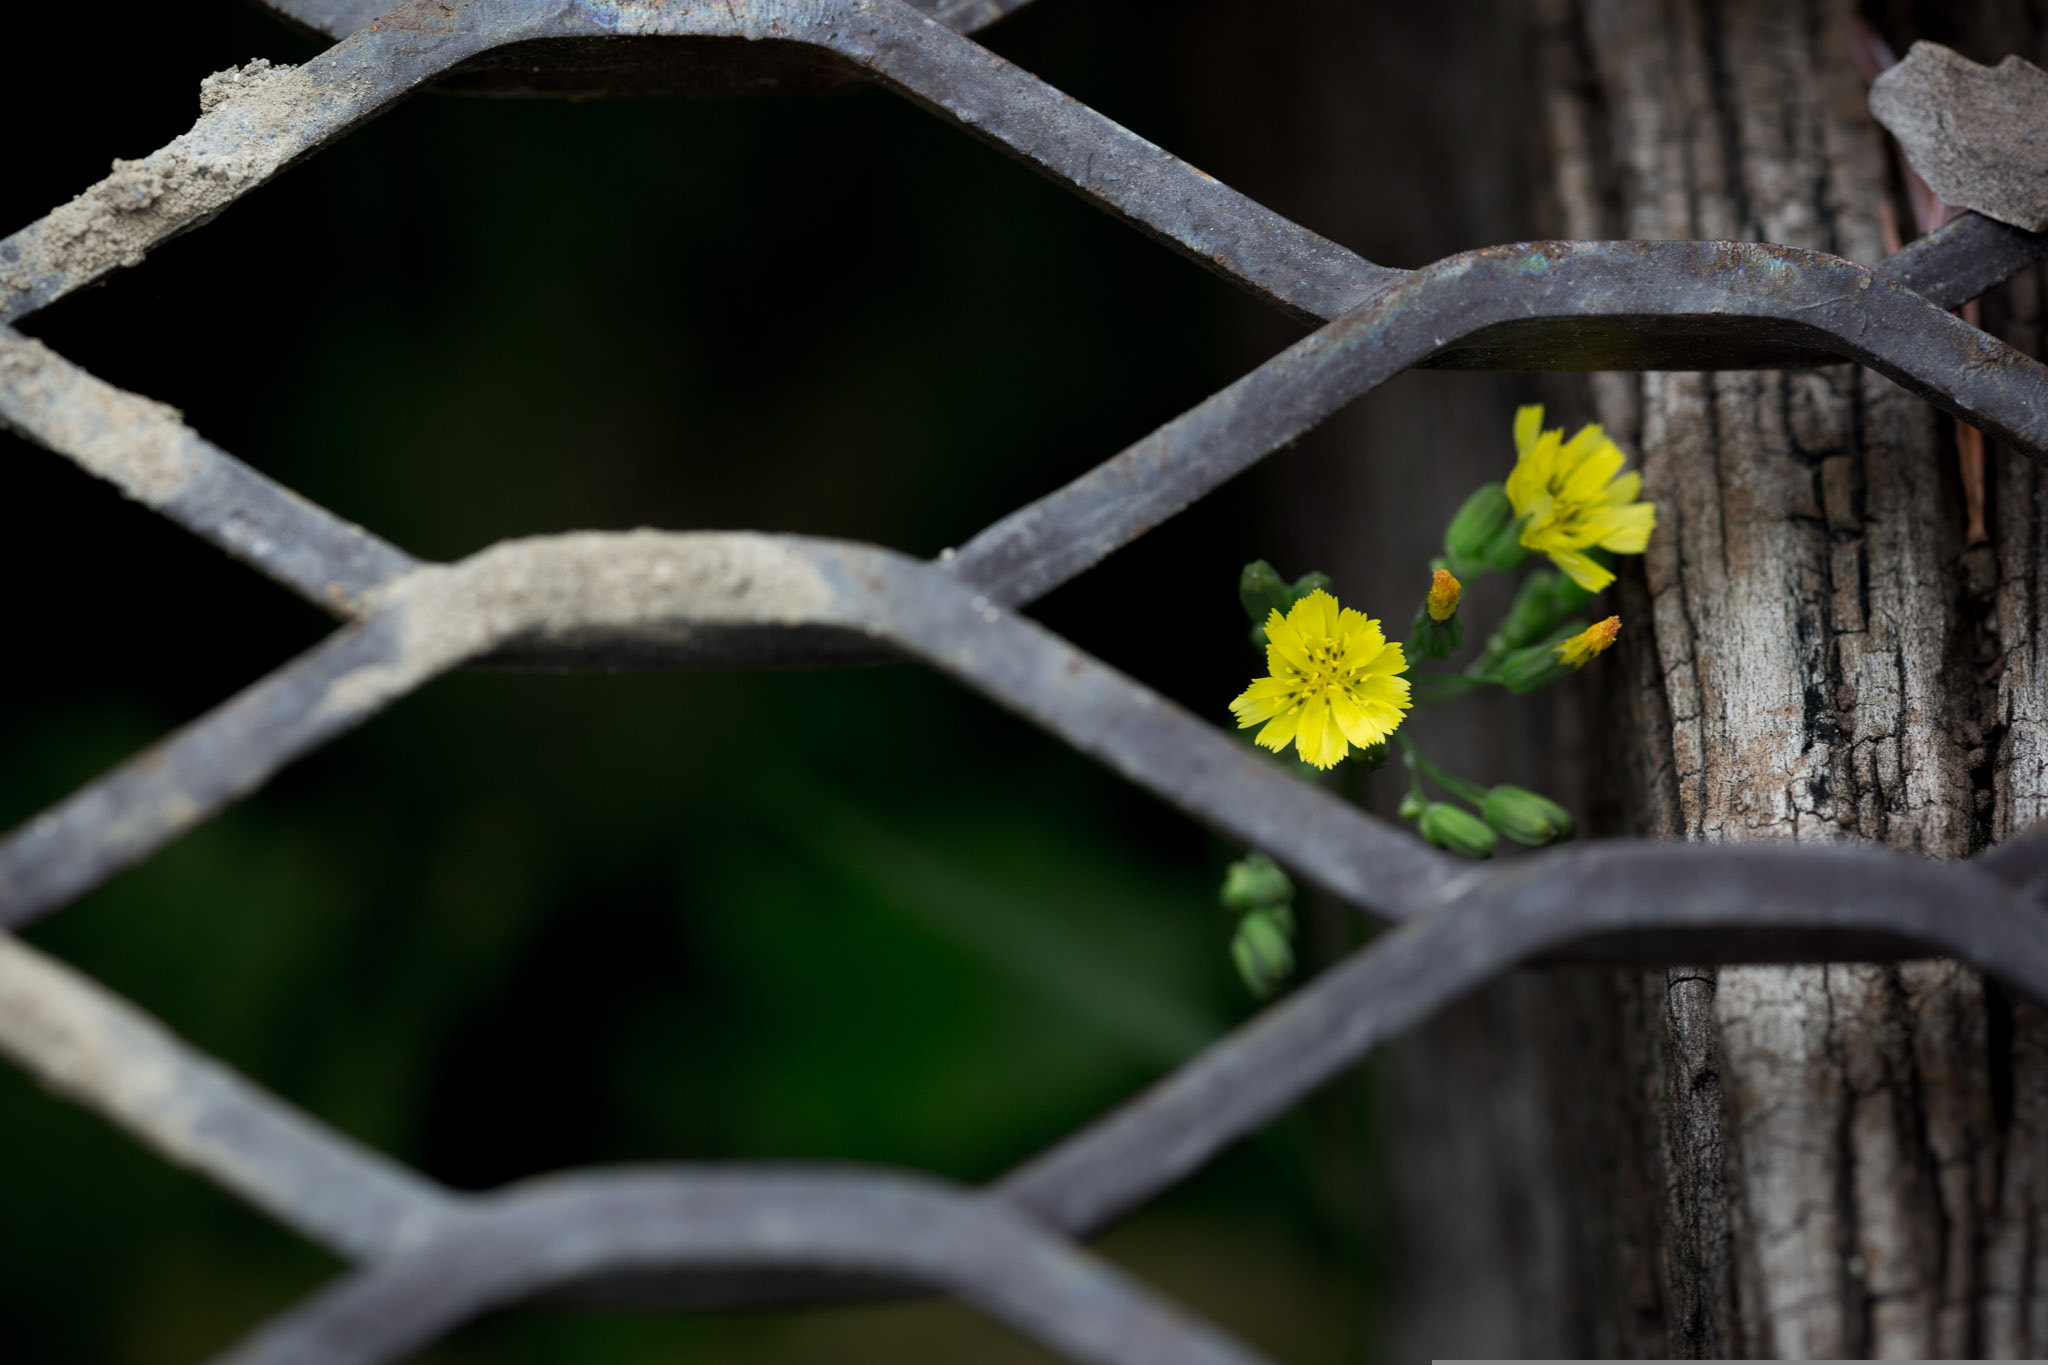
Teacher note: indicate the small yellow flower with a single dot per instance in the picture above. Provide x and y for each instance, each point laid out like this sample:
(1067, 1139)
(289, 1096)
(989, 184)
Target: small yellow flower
(1335, 682)
(1571, 496)
(1580, 649)
(1443, 596)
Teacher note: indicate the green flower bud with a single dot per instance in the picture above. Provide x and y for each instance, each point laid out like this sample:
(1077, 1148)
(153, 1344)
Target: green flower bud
(1531, 669)
(1254, 881)
(1460, 567)
(1566, 597)
(1535, 611)
(1262, 591)
(1411, 807)
(1504, 549)
(1429, 638)
(1372, 757)
(1527, 817)
(1262, 953)
(1483, 514)
(1308, 583)
(1458, 830)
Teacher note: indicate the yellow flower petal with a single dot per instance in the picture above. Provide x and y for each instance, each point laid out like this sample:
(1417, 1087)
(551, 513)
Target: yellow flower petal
(1364, 724)
(1279, 731)
(1387, 691)
(1528, 421)
(1312, 739)
(1582, 569)
(1585, 481)
(1349, 715)
(1284, 647)
(1333, 682)
(1264, 699)
(1580, 649)
(1570, 496)
(1627, 529)
(1361, 647)
(1315, 617)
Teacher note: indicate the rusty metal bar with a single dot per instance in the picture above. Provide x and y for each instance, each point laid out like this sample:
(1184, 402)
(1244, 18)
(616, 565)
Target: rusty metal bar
(1615, 901)
(1610, 303)
(95, 1048)
(686, 600)
(649, 599)
(146, 450)
(573, 1228)
(291, 112)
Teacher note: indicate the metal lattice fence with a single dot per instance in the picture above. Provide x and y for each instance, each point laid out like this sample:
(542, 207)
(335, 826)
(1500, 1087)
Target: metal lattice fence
(427, 1258)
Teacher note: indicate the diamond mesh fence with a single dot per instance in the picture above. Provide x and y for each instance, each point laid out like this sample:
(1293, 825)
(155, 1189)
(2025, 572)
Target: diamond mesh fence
(425, 1258)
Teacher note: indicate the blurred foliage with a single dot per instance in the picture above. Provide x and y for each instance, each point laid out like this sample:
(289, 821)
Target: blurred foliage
(525, 922)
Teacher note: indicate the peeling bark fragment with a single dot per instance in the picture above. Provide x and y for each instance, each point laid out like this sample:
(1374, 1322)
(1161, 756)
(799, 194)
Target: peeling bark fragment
(1978, 135)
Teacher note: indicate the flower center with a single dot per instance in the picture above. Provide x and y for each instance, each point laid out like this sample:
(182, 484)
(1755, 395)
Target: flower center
(1326, 674)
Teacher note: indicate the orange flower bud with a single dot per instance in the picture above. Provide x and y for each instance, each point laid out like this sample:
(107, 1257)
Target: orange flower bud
(1443, 596)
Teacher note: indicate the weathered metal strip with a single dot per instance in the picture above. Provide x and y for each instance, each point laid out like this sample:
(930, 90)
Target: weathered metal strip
(573, 1228)
(1621, 900)
(1603, 298)
(1963, 258)
(95, 1048)
(117, 820)
(1307, 276)
(338, 19)
(145, 449)
(260, 122)
(676, 599)
(288, 113)
(677, 596)
(1612, 901)
(263, 125)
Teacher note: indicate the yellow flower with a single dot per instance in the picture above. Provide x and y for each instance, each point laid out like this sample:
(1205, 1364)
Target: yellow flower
(1335, 682)
(1571, 495)
(1580, 649)
(1443, 596)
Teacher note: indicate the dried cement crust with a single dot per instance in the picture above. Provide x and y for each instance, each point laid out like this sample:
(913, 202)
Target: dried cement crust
(1978, 135)
(587, 582)
(92, 1046)
(82, 1041)
(138, 445)
(254, 120)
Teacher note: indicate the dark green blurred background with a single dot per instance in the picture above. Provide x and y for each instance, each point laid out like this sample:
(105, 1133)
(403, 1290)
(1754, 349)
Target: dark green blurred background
(528, 922)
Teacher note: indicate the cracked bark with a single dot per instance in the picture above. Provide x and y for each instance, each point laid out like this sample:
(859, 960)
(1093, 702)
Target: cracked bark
(1823, 1160)
(1851, 1155)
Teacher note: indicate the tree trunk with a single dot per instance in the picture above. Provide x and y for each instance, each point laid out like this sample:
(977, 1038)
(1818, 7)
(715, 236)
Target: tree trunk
(1810, 1161)
(1764, 1161)
(1815, 1161)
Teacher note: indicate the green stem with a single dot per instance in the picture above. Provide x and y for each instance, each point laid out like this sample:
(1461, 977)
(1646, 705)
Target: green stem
(1431, 687)
(1409, 758)
(1471, 793)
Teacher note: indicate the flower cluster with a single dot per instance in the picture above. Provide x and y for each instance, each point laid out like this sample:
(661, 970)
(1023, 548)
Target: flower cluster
(1335, 683)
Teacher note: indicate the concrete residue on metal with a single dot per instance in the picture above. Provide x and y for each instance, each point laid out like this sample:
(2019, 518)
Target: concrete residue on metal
(254, 120)
(90, 1045)
(85, 1042)
(1978, 135)
(588, 582)
(139, 445)
(240, 82)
